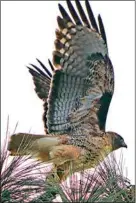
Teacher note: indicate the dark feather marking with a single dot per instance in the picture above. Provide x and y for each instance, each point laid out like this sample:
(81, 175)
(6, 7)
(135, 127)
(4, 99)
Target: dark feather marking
(103, 110)
(91, 16)
(45, 117)
(64, 14)
(33, 72)
(43, 66)
(73, 13)
(95, 57)
(57, 57)
(58, 44)
(38, 78)
(52, 68)
(82, 13)
(59, 34)
(102, 30)
(37, 74)
(61, 23)
(40, 71)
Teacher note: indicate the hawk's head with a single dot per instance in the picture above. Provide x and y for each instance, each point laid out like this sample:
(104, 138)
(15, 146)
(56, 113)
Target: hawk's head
(116, 140)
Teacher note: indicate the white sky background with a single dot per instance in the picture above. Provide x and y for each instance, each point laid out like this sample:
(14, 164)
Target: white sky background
(28, 32)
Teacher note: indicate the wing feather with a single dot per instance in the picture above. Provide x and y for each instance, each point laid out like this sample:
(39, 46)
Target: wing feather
(73, 13)
(64, 14)
(91, 16)
(44, 67)
(78, 93)
(102, 29)
(42, 81)
(84, 75)
(82, 13)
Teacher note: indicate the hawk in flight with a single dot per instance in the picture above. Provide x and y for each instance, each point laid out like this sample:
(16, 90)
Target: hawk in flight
(76, 97)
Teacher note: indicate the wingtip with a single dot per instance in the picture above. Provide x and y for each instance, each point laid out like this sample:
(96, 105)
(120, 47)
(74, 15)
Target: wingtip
(102, 29)
(51, 65)
(61, 22)
(38, 60)
(87, 2)
(99, 16)
(30, 64)
(28, 68)
(60, 6)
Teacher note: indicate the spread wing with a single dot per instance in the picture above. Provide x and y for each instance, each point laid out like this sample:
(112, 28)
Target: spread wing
(85, 80)
(42, 80)
(82, 86)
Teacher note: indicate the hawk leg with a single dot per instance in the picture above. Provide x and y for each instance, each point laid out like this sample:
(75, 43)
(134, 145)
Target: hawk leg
(59, 173)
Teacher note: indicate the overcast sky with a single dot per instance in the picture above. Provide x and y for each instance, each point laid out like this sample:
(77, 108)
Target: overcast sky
(28, 32)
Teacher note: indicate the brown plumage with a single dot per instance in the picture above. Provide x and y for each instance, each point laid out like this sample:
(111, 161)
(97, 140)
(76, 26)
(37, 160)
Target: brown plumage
(76, 97)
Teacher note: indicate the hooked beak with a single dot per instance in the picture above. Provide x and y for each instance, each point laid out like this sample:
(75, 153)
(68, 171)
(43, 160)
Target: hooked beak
(124, 144)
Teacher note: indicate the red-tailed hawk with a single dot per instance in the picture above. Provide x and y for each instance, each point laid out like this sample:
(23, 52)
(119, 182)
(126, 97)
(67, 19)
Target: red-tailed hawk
(76, 96)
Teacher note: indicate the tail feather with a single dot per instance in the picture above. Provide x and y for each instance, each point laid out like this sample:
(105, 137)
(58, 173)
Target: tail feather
(21, 143)
(38, 146)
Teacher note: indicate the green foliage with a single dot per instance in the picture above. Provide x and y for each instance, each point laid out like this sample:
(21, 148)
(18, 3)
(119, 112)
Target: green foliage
(105, 184)
(48, 196)
(5, 196)
(102, 185)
